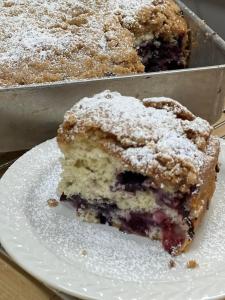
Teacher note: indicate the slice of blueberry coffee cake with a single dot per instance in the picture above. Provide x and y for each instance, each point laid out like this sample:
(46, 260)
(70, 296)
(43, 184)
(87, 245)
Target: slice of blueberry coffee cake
(147, 167)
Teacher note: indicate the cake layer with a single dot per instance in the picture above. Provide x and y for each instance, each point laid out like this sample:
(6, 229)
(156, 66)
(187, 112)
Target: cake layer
(62, 39)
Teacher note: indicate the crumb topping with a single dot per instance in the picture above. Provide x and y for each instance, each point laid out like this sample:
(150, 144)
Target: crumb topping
(59, 39)
(84, 252)
(172, 264)
(192, 264)
(151, 137)
(52, 202)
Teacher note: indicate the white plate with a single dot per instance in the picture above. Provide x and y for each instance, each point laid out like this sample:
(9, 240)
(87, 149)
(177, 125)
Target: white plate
(51, 243)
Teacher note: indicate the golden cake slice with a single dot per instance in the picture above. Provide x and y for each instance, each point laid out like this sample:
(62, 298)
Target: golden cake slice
(147, 167)
(52, 40)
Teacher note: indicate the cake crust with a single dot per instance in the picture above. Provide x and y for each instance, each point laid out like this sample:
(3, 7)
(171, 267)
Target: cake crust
(59, 40)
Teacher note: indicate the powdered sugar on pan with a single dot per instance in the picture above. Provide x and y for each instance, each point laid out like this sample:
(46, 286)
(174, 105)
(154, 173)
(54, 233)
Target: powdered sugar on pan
(43, 27)
(109, 252)
(57, 40)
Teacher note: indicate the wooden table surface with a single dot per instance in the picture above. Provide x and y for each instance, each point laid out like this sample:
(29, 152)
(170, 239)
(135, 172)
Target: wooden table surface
(16, 283)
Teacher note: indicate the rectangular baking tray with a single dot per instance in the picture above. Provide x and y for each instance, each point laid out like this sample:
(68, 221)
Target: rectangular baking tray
(212, 11)
(31, 114)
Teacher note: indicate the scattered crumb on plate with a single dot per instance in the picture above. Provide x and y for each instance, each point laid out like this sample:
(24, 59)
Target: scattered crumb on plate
(83, 252)
(53, 202)
(172, 264)
(192, 264)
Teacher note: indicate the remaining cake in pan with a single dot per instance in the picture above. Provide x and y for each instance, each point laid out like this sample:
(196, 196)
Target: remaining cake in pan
(147, 167)
(51, 40)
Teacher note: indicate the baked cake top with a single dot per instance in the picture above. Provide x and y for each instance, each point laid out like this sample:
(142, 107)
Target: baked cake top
(58, 39)
(156, 136)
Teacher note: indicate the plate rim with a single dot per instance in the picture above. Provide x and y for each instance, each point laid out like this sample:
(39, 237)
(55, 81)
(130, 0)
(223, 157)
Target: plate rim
(99, 287)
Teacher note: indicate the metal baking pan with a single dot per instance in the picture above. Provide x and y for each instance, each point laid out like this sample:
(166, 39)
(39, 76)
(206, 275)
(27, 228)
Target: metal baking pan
(212, 11)
(31, 114)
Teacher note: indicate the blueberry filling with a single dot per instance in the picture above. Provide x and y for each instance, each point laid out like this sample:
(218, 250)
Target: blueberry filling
(173, 236)
(217, 168)
(131, 178)
(134, 182)
(130, 182)
(109, 74)
(140, 223)
(160, 55)
(172, 200)
(102, 209)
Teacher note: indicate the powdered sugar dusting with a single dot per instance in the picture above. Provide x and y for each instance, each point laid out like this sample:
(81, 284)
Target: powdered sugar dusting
(130, 5)
(129, 9)
(144, 132)
(43, 27)
(40, 27)
(56, 40)
(198, 125)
